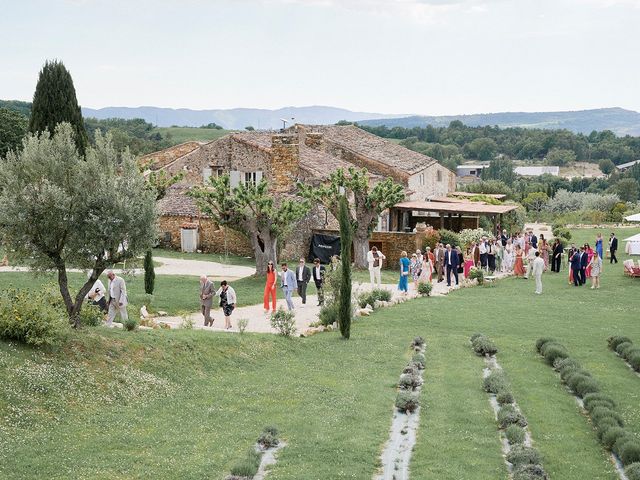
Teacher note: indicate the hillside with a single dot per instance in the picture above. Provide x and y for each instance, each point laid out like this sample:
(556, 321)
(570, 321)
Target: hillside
(233, 119)
(618, 120)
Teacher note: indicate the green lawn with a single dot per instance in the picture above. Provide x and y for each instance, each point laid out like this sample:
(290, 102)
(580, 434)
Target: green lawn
(186, 134)
(332, 399)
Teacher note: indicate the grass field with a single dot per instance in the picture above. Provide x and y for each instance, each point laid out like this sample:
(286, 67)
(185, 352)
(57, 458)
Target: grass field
(186, 134)
(202, 398)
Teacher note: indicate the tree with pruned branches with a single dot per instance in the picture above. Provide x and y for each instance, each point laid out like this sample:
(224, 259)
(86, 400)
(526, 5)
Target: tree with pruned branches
(368, 202)
(252, 210)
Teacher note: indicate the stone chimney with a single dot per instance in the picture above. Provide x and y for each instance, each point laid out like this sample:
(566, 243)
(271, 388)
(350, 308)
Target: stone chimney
(314, 140)
(285, 161)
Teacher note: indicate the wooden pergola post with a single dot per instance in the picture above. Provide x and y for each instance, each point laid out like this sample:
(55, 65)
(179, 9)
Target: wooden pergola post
(441, 221)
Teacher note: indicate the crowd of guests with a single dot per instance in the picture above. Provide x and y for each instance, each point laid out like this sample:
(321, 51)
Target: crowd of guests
(522, 254)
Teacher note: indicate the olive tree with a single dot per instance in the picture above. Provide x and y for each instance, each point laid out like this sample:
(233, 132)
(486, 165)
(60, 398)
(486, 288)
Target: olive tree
(60, 210)
(253, 211)
(369, 201)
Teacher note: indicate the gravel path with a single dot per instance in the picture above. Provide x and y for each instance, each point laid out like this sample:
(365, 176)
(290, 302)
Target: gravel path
(305, 314)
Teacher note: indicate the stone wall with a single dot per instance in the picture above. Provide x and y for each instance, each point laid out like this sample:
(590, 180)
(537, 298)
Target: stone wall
(285, 162)
(211, 237)
(425, 183)
(393, 243)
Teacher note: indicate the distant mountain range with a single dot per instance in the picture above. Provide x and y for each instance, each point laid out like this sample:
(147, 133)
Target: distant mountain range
(236, 118)
(618, 120)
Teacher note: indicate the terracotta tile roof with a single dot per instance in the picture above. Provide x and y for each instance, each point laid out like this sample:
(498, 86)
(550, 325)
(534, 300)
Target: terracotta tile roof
(177, 204)
(497, 196)
(376, 148)
(161, 159)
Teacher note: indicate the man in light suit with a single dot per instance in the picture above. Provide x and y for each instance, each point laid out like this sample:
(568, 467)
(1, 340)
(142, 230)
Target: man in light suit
(451, 263)
(117, 298)
(288, 283)
(303, 276)
(537, 269)
(374, 259)
(206, 300)
(440, 261)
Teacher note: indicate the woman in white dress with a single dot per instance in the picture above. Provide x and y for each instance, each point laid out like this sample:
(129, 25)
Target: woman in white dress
(508, 258)
(427, 269)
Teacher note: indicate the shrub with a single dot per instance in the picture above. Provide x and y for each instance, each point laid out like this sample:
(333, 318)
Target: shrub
(633, 471)
(91, 316)
(328, 314)
(130, 324)
(622, 348)
(567, 375)
(283, 321)
(407, 402)
(268, 438)
(409, 381)
(474, 336)
(495, 382)
(521, 455)
(419, 360)
(529, 472)
(542, 341)
(468, 236)
(431, 239)
(508, 415)
(586, 385)
(610, 436)
(484, 346)
(561, 232)
(630, 452)
(634, 361)
(554, 351)
(248, 466)
(449, 237)
(504, 397)
(616, 340)
(619, 443)
(598, 397)
(370, 297)
(600, 413)
(411, 369)
(424, 288)
(417, 342)
(477, 274)
(515, 434)
(242, 325)
(28, 321)
(567, 363)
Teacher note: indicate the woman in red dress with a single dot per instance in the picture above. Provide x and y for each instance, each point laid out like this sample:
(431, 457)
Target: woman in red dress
(270, 288)
(518, 267)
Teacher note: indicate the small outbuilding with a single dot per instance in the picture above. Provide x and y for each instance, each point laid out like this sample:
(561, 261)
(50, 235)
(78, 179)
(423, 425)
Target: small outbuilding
(633, 245)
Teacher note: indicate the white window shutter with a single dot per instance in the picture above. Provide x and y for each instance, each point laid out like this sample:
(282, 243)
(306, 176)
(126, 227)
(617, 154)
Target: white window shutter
(258, 177)
(234, 178)
(206, 175)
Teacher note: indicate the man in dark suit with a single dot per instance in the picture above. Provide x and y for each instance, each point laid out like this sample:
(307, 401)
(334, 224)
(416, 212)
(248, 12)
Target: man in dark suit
(451, 264)
(504, 238)
(303, 275)
(318, 277)
(575, 262)
(584, 261)
(613, 246)
(534, 240)
(556, 259)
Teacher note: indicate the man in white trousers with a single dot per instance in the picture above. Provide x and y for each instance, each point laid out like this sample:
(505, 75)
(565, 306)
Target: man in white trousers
(375, 258)
(537, 268)
(117, 298)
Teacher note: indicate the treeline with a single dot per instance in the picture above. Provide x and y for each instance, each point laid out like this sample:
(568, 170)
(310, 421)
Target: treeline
(453, 144)
(136, 134)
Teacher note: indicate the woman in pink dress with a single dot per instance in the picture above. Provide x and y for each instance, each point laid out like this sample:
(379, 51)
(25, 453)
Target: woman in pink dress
(590, 254)
(468, 263)
(543, 246)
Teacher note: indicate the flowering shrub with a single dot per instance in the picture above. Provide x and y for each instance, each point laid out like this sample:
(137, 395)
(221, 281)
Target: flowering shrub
(468, 236)
(28, 319)
(284, 322)
(478, 274)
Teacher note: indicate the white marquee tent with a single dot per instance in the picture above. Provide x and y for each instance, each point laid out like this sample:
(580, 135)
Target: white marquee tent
(633, 245)
(633, 218)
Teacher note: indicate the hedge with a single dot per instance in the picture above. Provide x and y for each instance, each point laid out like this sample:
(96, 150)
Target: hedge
(624, 347)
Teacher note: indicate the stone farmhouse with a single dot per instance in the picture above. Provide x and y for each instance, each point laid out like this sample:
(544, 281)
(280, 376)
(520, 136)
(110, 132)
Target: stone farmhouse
(301, 153)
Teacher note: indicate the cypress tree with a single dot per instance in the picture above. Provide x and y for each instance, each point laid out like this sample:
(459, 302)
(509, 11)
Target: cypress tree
(149, 273)
(54, 102)
(346, 233)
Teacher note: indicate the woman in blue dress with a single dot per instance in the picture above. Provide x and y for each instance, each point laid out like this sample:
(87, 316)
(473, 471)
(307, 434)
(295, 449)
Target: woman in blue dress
(403, 285)
(599, 246)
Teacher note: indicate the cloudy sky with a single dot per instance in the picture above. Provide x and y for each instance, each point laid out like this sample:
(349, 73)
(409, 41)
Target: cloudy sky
(391, 56)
